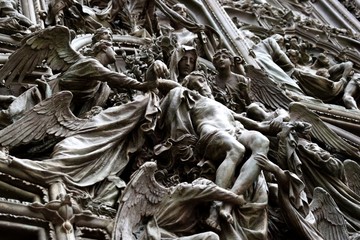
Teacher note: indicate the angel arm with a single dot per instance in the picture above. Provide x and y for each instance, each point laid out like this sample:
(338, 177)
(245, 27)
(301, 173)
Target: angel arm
(120, 80)
(157, 69)
(269, 166)
(266, 127)
(166, 85)
(203, 190)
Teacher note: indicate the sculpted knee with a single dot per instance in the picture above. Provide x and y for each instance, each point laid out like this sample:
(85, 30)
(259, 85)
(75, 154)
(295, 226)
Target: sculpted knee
(239, 148)
(261, 141)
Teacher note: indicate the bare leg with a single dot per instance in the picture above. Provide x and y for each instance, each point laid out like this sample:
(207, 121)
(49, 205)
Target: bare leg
(226, 171)
(259, 145)
(234, 153)
(350, 91)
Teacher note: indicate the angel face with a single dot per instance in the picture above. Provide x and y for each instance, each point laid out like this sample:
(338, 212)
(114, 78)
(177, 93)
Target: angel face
(256, 112)
(321, 153)
(222, 60)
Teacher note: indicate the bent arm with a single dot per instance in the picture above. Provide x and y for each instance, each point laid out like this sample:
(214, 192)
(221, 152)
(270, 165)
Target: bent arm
(207, 193)
(120, 80)
(166, 85)
(247, 122)
(266, 127)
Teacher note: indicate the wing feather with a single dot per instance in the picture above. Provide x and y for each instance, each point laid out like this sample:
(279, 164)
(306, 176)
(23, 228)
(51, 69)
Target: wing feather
(264, 90)
(329, 219)
(139, 199)
(320, 131)
(50, 117)
(352, 173)
(51, 45)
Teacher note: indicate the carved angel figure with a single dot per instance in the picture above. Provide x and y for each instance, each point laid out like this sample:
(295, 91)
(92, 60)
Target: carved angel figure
(321, 219)
(93, 150)
(87, 78)
(173, 211)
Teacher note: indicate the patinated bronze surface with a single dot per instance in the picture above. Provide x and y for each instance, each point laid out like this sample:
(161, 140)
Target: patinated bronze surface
(154, 119)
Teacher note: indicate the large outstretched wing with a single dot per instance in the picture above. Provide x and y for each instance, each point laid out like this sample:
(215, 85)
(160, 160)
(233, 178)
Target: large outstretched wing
(51, 45)
(139, 199)
(49, 117)
(352, 173)
(329, 219)
(264, 90)
(320, 131)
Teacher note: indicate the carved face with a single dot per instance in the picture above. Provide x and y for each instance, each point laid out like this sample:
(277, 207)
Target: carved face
(321, 153)
(198, 83)
(180, 9)
(323, 59)
(256, 112)
(293, 56)
(293, 42)
(106, 35)
(222, 61)
(187, 63)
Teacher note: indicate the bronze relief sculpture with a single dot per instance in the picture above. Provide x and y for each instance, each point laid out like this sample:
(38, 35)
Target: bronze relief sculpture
(155, 119)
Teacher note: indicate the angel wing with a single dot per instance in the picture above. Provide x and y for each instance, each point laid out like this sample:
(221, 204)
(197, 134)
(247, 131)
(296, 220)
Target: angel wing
(51, 45)
(49, 117)
(320, 131)
(352, 173)
(263, 90)
(139, 199)
(329, 219)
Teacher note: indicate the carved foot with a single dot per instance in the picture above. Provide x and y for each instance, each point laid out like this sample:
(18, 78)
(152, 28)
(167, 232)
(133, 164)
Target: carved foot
(225, 213)
(213, 220)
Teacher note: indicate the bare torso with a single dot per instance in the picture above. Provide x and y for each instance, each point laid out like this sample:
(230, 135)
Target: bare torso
(208, 116)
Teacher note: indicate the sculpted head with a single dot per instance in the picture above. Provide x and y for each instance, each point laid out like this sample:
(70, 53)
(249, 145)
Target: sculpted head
(180, 9)
(197, 81)
(102, 33)
(222, 59)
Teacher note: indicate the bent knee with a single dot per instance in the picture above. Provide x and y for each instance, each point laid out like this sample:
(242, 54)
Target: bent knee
(260, 142)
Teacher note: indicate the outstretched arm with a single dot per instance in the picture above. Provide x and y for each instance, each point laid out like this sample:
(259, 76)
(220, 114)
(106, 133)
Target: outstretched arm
(204, 190)
(269, 128)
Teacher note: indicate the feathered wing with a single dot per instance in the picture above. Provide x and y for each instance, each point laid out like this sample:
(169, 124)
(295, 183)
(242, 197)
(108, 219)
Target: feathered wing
(140, 199)
(352, 173)
(49, 117)
(51, 45)
(264, 90)
(329, 219)
(319, 130)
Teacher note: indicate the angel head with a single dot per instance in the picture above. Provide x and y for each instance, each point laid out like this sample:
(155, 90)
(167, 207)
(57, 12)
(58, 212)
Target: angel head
(324, 159)
(102, 33)
(257, 111)
(223, 58)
